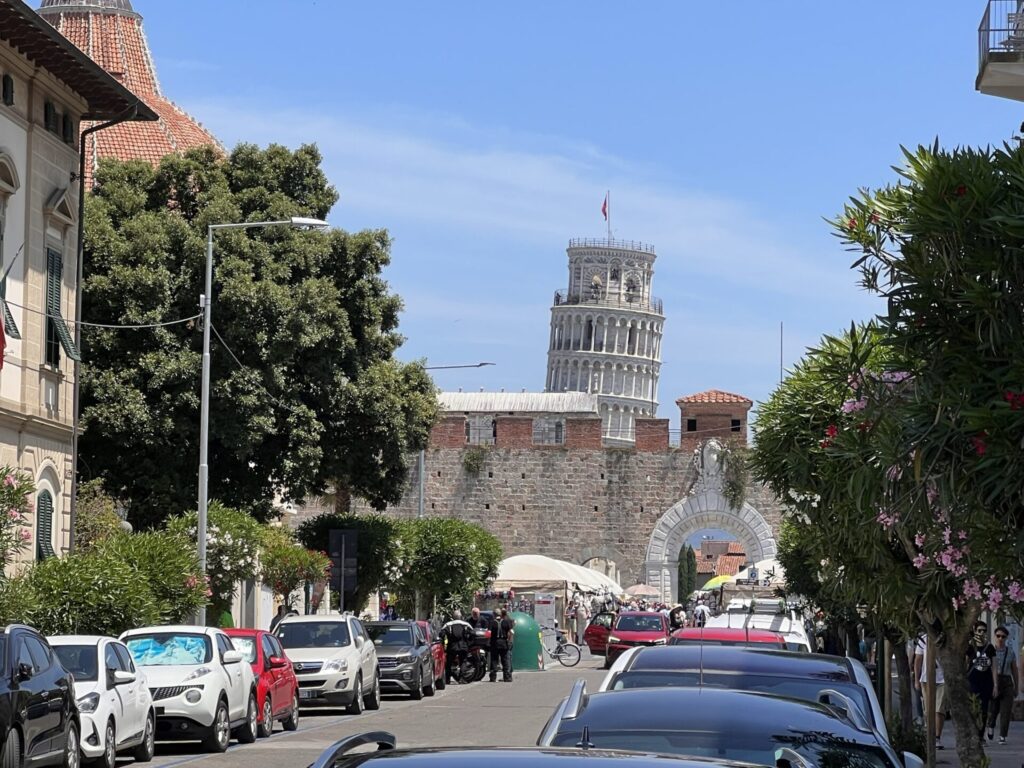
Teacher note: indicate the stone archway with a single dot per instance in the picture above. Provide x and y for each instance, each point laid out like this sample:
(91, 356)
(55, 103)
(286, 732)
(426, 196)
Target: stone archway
(704, 510)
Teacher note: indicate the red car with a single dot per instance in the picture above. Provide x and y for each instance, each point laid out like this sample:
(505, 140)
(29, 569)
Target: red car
(753, 638)
(634, 628)
(277, 689)
(597, 631)
(437, 651)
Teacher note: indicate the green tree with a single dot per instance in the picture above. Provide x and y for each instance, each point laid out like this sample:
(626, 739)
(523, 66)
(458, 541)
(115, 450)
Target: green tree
(305, 390)
(691, 571)
(96, 518)
(285, 565)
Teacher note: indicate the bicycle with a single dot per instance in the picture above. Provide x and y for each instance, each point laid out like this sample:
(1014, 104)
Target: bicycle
(567, 654)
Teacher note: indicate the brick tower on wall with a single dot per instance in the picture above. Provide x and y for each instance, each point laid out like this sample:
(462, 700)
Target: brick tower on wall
(110, 33)
(713, 414)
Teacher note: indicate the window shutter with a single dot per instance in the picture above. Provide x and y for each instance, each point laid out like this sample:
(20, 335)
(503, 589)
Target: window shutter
(54, 321)
(50, 117)
(44, 526)
(10, 327)
(8, 90)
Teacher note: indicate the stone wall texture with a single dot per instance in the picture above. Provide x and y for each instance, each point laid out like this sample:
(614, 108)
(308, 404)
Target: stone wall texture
(569, 503)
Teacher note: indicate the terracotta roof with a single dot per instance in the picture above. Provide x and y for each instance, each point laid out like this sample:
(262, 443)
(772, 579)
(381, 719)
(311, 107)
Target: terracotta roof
(729, 565)
(705, 566)
(714, 396)
(735, 548)
(22, 29)
(111, 33)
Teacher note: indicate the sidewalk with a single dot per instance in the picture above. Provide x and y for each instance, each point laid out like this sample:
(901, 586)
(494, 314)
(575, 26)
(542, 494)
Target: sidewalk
(1009, 755)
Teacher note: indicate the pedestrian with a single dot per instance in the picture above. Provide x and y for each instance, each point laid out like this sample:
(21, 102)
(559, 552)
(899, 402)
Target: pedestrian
(456, 635)
(701, 614)
(923, 676)
(282, 611)
(502, 638)
(982, 677)
(582, 615)
(677, 617)
(1007, 685)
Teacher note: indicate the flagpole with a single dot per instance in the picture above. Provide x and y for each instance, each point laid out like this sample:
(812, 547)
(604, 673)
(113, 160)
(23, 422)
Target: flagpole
(608, 197)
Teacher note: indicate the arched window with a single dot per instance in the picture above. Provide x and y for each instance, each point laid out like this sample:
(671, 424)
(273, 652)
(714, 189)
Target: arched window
(559, 433)
(44, 525)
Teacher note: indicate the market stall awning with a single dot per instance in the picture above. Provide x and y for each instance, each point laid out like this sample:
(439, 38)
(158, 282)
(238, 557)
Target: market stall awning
(530, 570)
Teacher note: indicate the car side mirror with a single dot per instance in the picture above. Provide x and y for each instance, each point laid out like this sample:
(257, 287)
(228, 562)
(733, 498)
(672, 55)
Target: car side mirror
(910, 760)
(359, 641)
(121, 677)
(24, 672)
(231, 657)
(276, 662)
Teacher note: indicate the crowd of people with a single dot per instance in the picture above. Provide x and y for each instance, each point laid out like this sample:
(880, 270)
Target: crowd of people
(582, 608)
(459, 636)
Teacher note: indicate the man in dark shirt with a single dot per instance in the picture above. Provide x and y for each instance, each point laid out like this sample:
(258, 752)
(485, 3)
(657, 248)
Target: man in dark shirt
(981, 676)
(502, 636)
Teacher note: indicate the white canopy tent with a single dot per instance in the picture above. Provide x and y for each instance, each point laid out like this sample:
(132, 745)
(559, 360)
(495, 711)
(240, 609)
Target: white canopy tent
(540, 573)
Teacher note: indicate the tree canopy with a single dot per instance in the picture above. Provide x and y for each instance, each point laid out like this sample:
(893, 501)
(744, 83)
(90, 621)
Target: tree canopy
(305, 391)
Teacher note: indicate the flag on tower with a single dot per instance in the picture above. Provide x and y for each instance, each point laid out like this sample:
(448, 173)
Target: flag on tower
(604, 208)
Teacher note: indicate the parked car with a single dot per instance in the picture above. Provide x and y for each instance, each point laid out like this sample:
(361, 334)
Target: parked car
(39, 721)
(437, 650)
(785, 621)
(341, 755)
(723, 724)
(783, 673)
(597, 631)
(635, 628)
(277, 688)
(114, 702)
(754, 638)
(201, 685)
(405, 659)
(334, 660)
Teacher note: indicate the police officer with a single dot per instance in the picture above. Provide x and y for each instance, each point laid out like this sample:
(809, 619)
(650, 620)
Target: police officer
(457, 636)
(502, 637)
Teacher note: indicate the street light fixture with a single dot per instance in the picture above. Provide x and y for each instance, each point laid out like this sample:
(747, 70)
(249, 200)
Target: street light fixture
(206, 301)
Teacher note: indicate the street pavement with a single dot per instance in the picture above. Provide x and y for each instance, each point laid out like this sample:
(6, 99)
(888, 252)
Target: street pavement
(479, 714)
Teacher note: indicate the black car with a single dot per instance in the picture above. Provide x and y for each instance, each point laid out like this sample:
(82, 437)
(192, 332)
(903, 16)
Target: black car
(721, 724)
(38, 714)
(339, 755)
(404, 656)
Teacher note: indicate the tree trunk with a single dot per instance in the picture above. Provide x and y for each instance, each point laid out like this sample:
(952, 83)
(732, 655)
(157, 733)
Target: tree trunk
(342, 498)
(954, 669)
(903, 672)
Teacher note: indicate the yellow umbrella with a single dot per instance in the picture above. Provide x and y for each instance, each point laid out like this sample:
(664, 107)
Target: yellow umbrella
(718, 581)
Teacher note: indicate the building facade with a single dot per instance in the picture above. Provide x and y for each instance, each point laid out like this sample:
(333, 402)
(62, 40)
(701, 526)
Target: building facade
(606, 331)
(49, 87)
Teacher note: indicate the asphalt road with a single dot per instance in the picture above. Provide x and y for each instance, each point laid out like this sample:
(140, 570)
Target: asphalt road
(479, 714)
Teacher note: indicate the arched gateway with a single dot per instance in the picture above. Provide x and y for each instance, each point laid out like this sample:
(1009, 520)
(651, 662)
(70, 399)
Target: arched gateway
(705, 508)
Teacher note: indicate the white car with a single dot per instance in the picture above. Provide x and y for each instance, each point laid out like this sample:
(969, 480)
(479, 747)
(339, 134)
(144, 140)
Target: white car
(114, 703)
(202, 687)
(765, 616)
(334, 660)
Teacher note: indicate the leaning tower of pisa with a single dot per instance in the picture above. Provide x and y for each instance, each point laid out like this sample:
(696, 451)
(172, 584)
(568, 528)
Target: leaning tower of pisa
(606, 333)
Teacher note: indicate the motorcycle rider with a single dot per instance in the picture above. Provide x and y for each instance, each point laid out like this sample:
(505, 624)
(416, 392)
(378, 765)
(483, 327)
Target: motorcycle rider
(457, 635)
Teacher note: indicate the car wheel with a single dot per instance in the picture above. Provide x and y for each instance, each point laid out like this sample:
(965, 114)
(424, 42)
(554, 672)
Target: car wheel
(219, 734)
(291, 723)
(145, 751)
(109, 757)
(417, 687)
(247, 733)
(267, 726)
(356, 707)
(429, 689)
(12, 750)
(72, 753)
(373, 700)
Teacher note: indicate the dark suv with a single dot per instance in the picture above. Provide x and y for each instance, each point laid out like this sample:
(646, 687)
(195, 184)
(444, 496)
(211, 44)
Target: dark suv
(38, 715)
(405, 659)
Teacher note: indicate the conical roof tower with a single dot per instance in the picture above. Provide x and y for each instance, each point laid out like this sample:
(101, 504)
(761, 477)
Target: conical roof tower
(110, 33)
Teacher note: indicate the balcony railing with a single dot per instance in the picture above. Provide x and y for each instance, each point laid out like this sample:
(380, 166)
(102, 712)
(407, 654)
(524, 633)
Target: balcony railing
(601, 299)
(626, 245)
(1001, 32)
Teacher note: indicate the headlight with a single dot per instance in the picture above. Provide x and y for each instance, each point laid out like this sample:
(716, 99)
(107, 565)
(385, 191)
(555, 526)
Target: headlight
(403, 659)
(662, 641)
(613, 639)
(197, 673)
(335, 665)
(89, 702)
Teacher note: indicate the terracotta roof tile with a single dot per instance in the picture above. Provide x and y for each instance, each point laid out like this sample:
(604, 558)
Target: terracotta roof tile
(117, 42)
(729, 565)
(705, 566)
(715, 396)
(735, 548)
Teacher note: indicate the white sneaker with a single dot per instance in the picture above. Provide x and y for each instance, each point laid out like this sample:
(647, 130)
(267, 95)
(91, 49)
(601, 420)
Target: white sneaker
(1002, 739)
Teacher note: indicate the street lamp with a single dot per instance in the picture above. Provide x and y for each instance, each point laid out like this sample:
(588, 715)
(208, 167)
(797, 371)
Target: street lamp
(206, 301)
(420, 467)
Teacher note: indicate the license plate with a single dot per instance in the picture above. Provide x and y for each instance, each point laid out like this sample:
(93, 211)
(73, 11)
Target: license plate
(306, 694)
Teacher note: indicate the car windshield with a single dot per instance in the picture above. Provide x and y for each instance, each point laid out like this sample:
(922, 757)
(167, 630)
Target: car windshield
(639, 624)
(314, 634)
(819, 748)
(79, 660)
(385, 634)
(246, 646)
(744, 643)
(793, 687)
(161, 649)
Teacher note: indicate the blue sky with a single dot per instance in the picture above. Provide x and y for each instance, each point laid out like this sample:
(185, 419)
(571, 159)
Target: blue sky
(484, 136)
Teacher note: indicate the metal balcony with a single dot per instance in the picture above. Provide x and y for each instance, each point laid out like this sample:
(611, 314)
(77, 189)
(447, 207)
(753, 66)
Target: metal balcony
(1001, 50)
(600, 299)
(619, 245)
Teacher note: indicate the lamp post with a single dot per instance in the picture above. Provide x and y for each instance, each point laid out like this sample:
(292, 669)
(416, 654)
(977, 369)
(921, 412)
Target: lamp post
(206, 301)
(422, 456)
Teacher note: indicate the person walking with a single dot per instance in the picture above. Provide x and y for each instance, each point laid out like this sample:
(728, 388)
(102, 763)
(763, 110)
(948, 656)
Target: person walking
(582, 616)
(923, 676)
(1007, 685)
(282, 611)
(982, 677)
(502, 638)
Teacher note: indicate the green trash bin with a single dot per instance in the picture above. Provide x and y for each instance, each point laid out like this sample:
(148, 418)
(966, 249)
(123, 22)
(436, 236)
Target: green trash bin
(527, 653)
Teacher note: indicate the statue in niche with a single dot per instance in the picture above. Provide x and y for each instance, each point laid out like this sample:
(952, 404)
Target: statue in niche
(596, 287)
(708, 459)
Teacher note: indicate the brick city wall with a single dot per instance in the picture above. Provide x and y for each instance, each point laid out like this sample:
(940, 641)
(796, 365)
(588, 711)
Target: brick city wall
(569, 503)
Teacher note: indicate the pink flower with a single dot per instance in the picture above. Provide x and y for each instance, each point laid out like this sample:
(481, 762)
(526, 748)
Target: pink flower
(209, 593)
(946, 534)
(995, 598)
(894, 473)
(932, 494)
(1015, 592)
(26, 534)
(962, 535)
(887, 520)
(920, 561)
(980, 446)
(191, 582)
(10, 480)
(972, 590)
(13, 514)
(919, 539)
(850, 406)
